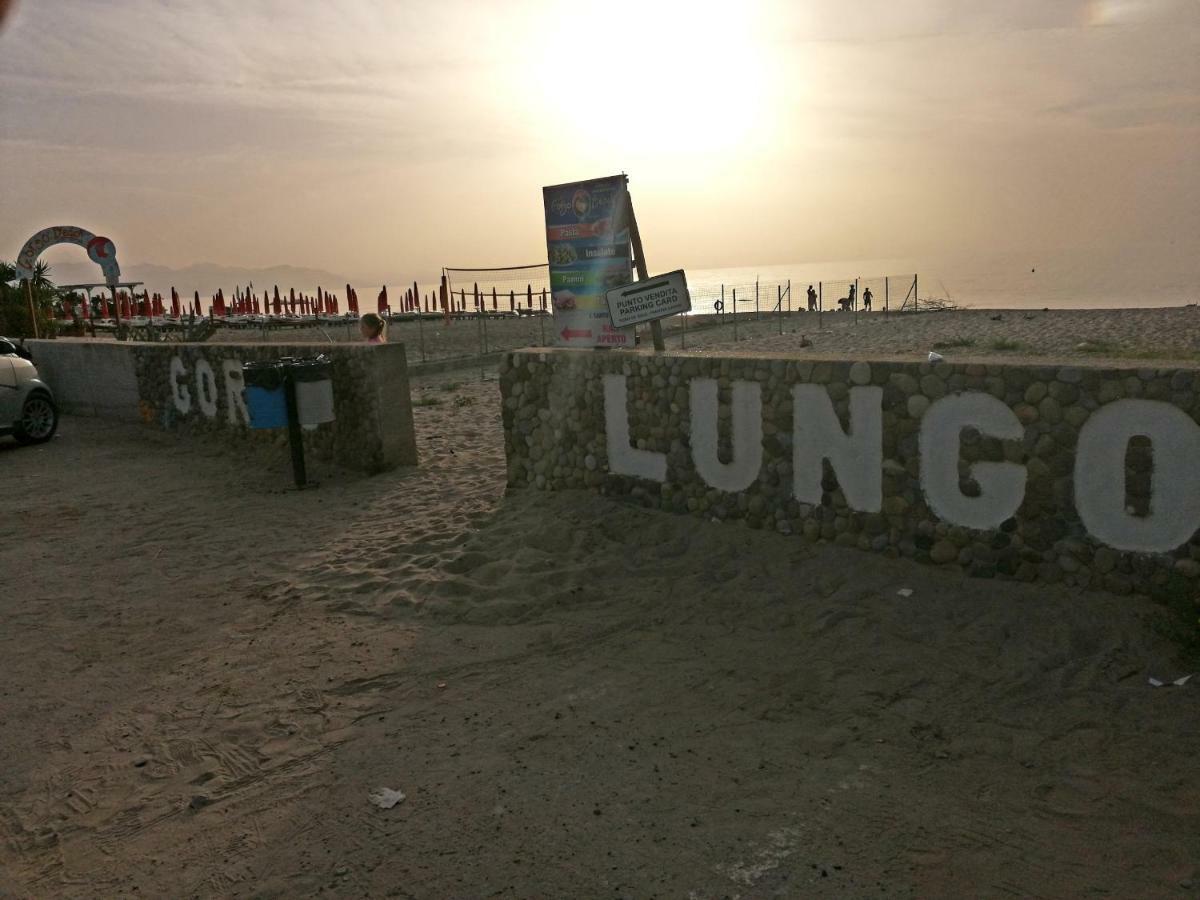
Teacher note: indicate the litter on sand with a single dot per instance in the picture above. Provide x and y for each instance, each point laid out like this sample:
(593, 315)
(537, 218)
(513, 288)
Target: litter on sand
(1178, 682)
(905, 592)
(385, 798)
(935, 358)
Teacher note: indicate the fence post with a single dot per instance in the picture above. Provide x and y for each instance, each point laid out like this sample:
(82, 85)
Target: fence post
(735, 337)
(779, 305)
(721, 320)
(789, 296)
(757, 315)
(885, 296)
(916, 295)
(421, 329)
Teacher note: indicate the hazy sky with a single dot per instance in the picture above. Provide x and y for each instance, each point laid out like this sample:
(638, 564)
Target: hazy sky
(386, 138)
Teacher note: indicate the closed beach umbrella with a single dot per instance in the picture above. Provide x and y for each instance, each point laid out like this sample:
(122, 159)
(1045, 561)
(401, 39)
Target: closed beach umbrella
(104, 306)
(381, 300)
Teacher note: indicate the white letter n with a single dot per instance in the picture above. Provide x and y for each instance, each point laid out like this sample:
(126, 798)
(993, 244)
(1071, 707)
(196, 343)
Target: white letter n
(742, 471)
(855, 456)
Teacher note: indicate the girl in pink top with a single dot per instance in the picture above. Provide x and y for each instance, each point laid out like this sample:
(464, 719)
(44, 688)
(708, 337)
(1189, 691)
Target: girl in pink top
(372, 328)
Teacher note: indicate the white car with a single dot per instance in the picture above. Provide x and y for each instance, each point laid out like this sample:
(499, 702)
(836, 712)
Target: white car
(27, 409)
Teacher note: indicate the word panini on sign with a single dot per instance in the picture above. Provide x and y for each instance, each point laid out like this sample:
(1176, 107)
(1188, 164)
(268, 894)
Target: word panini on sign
(645, 301)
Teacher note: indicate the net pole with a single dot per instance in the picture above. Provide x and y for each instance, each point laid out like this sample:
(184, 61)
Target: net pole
(820, 303)
(421, 329)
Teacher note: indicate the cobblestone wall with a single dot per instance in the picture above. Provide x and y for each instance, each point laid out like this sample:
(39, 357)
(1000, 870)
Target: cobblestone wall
(1089, 476)
(197, 389)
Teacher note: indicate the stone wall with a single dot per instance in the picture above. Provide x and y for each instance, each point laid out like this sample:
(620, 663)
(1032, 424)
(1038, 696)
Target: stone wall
(196, 389)
(1089, 476)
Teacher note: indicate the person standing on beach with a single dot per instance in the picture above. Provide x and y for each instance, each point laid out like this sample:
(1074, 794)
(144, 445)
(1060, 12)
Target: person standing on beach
(867, 300)
(372, 328)
(812, 299)
(853, 296)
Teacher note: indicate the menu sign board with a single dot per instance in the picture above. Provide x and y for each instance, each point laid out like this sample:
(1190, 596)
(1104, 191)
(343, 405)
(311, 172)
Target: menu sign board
(587, 245)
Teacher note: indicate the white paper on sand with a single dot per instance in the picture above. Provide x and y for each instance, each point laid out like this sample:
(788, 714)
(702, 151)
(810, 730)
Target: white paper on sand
(1178, 682)
(935, 358)
(905, 592)
(385, 798)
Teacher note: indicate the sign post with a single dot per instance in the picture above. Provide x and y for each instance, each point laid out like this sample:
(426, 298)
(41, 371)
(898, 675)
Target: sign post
(636, 236)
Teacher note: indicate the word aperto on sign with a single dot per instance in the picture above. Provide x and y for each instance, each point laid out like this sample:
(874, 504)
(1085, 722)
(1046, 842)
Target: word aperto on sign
(645, 301)
(856, 457)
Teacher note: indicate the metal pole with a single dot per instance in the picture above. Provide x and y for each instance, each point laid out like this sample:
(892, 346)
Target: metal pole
(421, 329)
(721, 320)
(32, 312)
(116, 312)
(916, 294)
(757, 315)
(735, 337)
(643, 275)
(295, 438)
(683, 332)
(855, 301)
(820, 302)
(779, 305)
(885, 296)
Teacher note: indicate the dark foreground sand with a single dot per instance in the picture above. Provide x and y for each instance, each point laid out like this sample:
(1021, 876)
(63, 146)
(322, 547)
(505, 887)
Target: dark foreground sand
(203, 676)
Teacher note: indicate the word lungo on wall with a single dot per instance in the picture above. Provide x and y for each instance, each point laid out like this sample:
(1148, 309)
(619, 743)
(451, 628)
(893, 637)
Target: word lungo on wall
(1018, 471)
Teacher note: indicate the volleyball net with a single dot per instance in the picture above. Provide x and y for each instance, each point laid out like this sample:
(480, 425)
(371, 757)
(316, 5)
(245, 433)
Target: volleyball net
(513, 290)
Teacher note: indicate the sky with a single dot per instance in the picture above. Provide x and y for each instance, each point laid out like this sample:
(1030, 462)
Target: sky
(388, 138)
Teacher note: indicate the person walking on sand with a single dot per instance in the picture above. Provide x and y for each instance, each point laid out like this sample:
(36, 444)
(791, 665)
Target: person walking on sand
(812, 299)
(867, 300)
(372, 328)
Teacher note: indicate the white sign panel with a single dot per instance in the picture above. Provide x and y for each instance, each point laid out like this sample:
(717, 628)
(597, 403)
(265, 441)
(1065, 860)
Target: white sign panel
(644, 301)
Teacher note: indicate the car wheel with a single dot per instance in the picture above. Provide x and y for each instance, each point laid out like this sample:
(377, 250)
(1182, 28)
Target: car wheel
(39, 420)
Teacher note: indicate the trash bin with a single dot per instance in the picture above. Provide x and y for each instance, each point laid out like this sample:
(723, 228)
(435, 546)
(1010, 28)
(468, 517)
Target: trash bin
(314, 390)
(266, 401)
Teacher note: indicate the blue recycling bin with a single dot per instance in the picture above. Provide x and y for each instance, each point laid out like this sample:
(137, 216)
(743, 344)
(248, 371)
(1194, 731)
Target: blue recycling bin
(266, 400)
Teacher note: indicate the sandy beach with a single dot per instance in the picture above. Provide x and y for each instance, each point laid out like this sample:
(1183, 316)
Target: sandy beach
(578, 697)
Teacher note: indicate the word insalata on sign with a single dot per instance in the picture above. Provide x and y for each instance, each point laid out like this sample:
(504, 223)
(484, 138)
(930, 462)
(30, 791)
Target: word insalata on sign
(587, 246)
(645, 301)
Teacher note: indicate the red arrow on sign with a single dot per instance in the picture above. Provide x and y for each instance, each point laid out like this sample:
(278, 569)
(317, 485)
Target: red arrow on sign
(567, 334)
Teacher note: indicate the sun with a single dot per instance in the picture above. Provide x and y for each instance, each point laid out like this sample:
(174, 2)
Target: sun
(650, 78)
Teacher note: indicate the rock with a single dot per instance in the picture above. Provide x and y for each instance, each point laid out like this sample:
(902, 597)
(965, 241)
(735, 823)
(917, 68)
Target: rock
(917, 404)
(1035, 392)
(943, 552)
(1189, 568)
(860, 373)
(933, 387)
